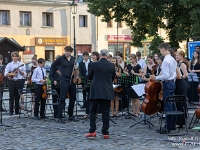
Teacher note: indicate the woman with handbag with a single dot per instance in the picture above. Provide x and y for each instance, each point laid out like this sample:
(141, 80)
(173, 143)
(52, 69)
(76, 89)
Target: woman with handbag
(194, 82)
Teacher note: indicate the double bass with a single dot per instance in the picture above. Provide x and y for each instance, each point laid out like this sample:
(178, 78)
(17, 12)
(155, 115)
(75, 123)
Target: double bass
(151, 103)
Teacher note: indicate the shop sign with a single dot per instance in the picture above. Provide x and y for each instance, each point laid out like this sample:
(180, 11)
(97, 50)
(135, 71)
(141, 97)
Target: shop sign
(43, 41)
(120, 37)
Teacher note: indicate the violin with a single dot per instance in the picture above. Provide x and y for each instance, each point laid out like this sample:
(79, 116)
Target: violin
(117, 89)
(151, 103)
(75, 72)
(44, 87)
(15, 70)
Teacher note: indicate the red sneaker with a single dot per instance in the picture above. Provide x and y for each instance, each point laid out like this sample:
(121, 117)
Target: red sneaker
(106, 136)
(90, 134)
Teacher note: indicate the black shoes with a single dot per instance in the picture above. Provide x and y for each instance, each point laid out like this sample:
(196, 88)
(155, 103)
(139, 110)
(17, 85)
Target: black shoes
(73, 119)
(43, 117)
(60, 120)
(11, 113)
(17, 113)
(36, 118)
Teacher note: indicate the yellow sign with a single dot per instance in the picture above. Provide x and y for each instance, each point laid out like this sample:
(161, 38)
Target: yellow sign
(42, 41)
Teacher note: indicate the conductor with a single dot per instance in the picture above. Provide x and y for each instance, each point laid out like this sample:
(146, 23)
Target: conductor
(102, 74)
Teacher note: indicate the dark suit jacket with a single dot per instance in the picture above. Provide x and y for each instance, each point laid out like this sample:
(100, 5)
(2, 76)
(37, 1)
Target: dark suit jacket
(102, 74)
(82, 68)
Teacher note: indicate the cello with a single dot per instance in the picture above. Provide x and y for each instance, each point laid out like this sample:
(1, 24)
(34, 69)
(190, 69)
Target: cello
(151, 103)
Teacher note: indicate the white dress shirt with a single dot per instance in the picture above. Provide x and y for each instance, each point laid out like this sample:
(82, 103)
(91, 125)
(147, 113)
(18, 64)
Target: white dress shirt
(37, 75)
(86, 66)
(142, 63)
(168, 71)
(11, 66)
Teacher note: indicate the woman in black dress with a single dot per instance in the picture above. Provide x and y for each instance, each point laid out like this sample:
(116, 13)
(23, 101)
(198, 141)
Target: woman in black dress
(194, 68)
(181, 84)
(150, 67)
(134, 69)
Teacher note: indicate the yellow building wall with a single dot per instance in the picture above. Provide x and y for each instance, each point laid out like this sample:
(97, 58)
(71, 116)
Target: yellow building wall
(39, 50)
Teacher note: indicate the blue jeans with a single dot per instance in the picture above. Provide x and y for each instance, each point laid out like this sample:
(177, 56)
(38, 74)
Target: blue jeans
(168, 90)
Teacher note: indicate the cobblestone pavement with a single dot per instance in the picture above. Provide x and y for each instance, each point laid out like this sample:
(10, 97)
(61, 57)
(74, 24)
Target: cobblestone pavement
(26, 133)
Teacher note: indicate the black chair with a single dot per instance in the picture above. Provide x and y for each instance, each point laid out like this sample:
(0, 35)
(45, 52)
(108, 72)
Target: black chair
(176, 99)
(194, 120)
(51, 93)
(4, 89)
(28, 102)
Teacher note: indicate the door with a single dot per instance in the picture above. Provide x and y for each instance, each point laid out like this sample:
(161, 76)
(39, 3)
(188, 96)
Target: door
(49, 55)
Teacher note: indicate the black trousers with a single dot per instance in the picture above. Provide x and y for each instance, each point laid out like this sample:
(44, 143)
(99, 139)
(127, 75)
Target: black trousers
(105, 108)
(84, 95)
(66, 86)
(55, 99)
(13, 87)
(1, 96)
(39, 99)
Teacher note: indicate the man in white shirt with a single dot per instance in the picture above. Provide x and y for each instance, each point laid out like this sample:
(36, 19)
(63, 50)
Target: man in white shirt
(168, 76)
(140, 61)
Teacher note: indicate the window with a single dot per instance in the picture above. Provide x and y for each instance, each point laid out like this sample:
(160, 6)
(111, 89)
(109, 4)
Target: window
(82, 21)
(47, 19)
(109, 24)
(144, 49)
(4, 17)
(25, 18)
(119, 24)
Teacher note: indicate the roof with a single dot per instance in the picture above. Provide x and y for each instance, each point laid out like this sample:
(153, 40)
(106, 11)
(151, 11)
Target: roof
(12, 42)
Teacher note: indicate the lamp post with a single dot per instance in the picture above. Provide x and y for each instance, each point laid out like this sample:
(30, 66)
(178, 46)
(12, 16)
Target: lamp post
(74, 11)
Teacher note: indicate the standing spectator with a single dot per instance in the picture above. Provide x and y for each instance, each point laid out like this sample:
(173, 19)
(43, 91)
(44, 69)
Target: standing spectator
(140, 61)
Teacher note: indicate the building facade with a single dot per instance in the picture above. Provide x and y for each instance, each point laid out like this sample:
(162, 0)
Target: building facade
(42, 27)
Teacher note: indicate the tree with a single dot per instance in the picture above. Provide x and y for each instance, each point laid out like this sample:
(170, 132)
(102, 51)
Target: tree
(145, 17)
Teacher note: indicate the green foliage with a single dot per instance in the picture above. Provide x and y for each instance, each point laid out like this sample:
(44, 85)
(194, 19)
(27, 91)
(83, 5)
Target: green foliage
(146, 16)
(154, 44)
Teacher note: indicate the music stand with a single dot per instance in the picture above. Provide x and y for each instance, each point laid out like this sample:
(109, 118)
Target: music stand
(126, 82)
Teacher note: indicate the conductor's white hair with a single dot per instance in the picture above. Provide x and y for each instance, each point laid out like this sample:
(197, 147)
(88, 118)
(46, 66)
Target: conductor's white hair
(104, 52)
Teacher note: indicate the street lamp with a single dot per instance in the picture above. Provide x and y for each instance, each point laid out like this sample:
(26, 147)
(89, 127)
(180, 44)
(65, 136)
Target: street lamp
(74, 11)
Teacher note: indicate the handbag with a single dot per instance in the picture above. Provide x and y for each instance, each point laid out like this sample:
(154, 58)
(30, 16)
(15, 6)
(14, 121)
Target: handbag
(192, 77)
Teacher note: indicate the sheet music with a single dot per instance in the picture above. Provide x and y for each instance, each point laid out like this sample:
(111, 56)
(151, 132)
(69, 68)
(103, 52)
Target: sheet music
(139, 89)
(115, 86)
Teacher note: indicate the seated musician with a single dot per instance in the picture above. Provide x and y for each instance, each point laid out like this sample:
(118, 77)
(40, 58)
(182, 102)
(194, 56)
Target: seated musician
(39, 78)
(134, 69)
(116, 101)
(54, 76)
(15, 71)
